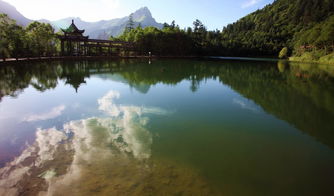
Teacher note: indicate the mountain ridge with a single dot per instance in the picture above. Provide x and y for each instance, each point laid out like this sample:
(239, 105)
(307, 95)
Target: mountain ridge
(101, 29)
(12, 13)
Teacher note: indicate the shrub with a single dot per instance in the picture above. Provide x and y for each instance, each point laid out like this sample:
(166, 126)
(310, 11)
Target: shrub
(283, 53)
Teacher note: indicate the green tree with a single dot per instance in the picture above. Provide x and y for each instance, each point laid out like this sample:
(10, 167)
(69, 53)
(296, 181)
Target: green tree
(17, 42)
(199, 26)
(41, 39)
(130, 25)
(4, 30)
(172, 25)
(11, 37)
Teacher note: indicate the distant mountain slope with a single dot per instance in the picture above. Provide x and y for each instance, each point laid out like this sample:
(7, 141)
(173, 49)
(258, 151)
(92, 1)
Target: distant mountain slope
(105, 28)
(101, 29)
(11, 11)
(268, 30)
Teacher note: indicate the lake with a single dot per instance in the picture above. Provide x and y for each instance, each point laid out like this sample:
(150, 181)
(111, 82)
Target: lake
(166, 127)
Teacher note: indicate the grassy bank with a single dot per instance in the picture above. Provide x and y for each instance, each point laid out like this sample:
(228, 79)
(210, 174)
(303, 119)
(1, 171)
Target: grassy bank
(315, 57)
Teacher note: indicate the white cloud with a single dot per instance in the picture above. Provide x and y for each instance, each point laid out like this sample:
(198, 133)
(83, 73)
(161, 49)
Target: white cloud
(53, 113)
(250, 3)
(88, 10)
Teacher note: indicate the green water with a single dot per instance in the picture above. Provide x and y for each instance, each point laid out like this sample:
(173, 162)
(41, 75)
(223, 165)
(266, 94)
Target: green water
(167, 127)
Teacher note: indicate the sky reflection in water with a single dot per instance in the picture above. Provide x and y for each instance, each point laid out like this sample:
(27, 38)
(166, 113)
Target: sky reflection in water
(172, 127)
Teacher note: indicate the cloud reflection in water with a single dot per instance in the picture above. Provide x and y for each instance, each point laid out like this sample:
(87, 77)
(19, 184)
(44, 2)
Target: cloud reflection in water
(121, 133)
(53, 113)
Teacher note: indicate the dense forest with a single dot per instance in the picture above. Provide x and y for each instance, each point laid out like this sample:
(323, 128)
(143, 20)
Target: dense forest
(278, 25)
(298, 28)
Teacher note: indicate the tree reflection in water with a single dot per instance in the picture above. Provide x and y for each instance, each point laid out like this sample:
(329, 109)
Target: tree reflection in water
(301, 94)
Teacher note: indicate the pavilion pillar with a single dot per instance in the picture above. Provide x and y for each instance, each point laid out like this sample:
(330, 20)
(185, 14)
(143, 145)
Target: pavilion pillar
(100, 49)
(109, 49)
(78, 49)
(71, 49)
(79, 46)
(68, 48)
(118, 52)
(62, 47)
(85, 49)
(97, 49)
(68, 53)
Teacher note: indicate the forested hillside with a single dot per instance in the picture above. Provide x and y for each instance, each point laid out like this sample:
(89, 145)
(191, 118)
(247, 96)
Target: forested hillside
(284, 23)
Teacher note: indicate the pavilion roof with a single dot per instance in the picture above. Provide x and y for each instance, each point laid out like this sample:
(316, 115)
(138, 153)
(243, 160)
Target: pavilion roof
(72, 29)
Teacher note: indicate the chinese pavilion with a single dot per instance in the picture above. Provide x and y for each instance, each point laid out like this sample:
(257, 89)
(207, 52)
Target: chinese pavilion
(74, 43)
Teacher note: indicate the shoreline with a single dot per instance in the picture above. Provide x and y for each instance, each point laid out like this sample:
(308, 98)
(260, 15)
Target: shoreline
(296, 60)
(55, 58)
(319, 57)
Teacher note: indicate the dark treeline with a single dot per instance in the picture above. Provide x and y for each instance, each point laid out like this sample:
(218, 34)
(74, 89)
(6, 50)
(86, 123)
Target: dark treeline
(172, 40)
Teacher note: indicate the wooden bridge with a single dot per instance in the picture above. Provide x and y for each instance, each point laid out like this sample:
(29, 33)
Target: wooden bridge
(74, 43)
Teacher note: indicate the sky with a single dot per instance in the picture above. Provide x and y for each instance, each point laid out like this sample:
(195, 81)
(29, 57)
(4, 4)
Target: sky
(215, 14)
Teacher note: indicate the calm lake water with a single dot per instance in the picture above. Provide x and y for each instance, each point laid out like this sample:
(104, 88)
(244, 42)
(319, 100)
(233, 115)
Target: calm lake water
(167, 127)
